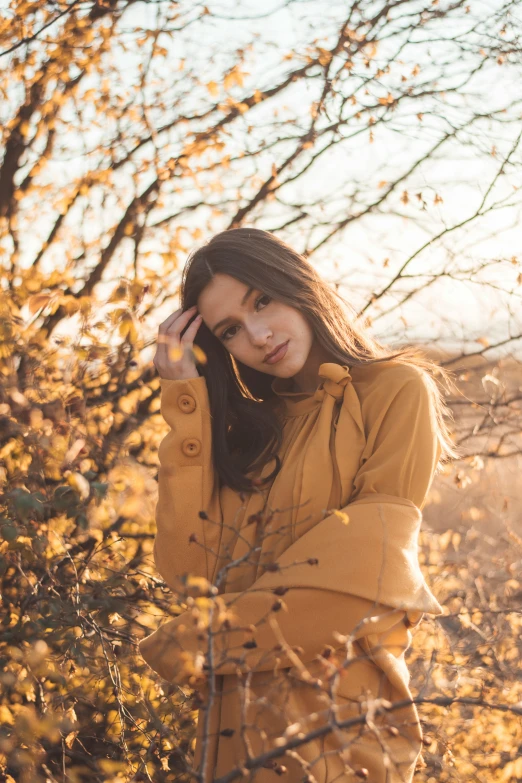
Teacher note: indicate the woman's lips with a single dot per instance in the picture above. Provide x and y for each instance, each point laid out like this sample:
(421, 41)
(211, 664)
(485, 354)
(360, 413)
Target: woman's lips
(279, 355)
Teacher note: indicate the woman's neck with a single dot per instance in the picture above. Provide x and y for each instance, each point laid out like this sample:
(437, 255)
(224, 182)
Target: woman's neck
(306, 380)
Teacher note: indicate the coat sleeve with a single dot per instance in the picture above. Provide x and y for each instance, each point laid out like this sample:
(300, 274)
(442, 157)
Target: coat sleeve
(403, 448)
(398, 468)
(187, 484)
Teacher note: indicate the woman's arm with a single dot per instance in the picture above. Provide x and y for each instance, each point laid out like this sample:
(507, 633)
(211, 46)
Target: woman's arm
(187, 484)
(307, 621)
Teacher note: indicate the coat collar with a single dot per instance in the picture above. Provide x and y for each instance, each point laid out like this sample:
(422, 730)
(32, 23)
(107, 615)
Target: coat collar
(332, 378)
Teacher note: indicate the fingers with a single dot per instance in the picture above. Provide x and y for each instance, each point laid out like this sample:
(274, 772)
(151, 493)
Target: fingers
(189, 335)
(168, 321)
(173, 358)
(178, 318)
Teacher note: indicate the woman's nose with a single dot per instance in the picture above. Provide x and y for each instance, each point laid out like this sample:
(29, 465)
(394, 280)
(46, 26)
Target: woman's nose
(260, 336)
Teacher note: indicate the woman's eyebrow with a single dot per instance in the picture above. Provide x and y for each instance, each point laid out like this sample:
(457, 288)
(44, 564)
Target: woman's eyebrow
(229, 318)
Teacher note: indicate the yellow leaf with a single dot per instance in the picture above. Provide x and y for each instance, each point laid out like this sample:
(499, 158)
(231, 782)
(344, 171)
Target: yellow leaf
(235, 76)
(175, 353)
(373, 49)
(345, 519)
(199, 354)
(199, 583)
(70, 304)
(6, 715)
(80, 484)
(71, 714)
(444, 540)
(38, 301)
(512, 770)
(465, 619)
(127, 327)
(70, 738)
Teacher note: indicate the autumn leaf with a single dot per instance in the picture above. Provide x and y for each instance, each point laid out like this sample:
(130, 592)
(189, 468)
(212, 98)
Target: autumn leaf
(343, 516)
(79, 483)
(38, 301)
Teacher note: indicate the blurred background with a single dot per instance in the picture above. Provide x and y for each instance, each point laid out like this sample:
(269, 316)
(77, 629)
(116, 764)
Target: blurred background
(380, 139)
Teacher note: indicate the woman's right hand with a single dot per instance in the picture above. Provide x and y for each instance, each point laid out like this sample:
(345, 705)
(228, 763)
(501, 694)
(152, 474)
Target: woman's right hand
(174, 359)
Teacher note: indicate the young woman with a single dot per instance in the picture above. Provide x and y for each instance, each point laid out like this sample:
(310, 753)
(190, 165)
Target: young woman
(292, 479)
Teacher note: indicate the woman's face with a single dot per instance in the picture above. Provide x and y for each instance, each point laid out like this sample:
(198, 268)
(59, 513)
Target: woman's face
(251, 325)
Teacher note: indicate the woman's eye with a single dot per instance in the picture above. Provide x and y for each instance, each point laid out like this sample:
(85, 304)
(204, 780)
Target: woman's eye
(263, 296)
(225, 335)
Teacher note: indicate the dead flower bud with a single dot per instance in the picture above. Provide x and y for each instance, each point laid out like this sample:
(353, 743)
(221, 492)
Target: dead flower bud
(280, 590)
(312, 561)
(274, 765)
(227, 732)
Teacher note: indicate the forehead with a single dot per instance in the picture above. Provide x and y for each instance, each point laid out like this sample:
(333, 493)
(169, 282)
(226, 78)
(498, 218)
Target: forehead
(222, 295)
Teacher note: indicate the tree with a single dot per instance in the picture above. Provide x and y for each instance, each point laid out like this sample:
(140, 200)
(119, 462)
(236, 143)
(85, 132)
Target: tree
(122, 148)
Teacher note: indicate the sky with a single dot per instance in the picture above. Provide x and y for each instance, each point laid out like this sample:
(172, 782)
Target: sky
(455, 313)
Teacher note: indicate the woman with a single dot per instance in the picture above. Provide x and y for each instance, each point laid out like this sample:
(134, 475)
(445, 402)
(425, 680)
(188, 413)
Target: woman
(293, 477)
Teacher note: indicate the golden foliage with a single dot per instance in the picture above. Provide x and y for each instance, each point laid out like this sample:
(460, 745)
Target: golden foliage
(96, 161)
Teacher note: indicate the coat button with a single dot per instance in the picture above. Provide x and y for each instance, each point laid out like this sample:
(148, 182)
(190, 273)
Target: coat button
(186, 403)
(191, 447)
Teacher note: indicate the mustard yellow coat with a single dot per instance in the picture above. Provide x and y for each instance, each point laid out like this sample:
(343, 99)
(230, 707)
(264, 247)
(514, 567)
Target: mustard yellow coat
(365, 444)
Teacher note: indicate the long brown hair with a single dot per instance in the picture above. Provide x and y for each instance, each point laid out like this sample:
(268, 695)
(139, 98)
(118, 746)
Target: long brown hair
(246, 432)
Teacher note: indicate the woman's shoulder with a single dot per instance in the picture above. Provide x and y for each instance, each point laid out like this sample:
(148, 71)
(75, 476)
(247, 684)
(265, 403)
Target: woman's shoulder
(380, 382)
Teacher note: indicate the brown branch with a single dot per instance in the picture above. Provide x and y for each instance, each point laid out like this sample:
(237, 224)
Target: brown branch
(296, 742)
